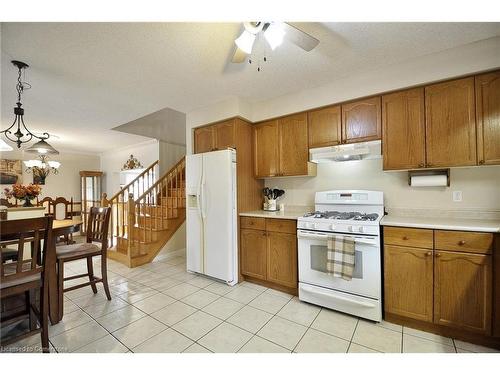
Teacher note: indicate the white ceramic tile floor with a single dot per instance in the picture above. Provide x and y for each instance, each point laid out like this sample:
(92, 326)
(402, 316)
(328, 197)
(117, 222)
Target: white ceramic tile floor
(160, 307)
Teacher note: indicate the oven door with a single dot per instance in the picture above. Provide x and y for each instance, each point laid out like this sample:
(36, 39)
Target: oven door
(366, 280)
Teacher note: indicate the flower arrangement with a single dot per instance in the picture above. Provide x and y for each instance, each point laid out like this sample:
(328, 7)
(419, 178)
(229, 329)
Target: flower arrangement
(26, 192)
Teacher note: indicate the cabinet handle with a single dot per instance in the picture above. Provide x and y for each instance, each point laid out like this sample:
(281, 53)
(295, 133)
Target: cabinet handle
(461, 242)
(429, 253)
(438, 255)
(405, 238)
(430, 165)
(264, 234)
(421, 165)
(481, 161)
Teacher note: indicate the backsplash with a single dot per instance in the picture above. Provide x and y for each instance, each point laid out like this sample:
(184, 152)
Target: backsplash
(480, 187)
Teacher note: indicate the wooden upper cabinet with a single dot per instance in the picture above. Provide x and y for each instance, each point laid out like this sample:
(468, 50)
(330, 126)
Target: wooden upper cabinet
(405, 267)
(224, 135)
(488, 118)
(293, 145)
(325, 127)
(450, 123)
(266, 158)
(463, 291)
(204, 139)
(361, 120)
(403, 124)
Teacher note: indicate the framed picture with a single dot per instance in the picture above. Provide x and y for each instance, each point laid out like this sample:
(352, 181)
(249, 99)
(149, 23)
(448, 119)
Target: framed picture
(38, 178)
(11, 172)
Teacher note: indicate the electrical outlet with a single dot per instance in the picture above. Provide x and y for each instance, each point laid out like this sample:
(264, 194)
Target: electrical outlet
(457, 196)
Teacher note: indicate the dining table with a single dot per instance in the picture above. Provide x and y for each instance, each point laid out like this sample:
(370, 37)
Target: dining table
(59, 228)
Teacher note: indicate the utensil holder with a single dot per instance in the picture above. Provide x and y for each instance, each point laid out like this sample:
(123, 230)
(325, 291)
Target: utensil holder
(271, 205)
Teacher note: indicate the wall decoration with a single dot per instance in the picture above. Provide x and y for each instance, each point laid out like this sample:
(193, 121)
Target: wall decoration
(11, 172)
(132, 163)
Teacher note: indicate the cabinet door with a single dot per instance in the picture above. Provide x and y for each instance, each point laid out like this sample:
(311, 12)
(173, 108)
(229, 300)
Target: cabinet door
(224, 135)
(488, 118)
(324, 127)
(253, 253)
(463, 291)
(266, 149)
(293, 145)
(408, 282)
(403, 124)
(204, 139)
(282, 259)
(361, 120)
(450, 123)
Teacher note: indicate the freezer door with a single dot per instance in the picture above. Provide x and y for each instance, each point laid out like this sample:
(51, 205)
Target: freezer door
(194, 221)
(218, 192)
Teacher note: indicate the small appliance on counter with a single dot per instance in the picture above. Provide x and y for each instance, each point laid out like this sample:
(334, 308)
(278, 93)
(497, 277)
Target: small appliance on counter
(270, 197)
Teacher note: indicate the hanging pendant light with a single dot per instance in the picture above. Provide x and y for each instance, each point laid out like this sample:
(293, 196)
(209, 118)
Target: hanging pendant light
(22, 134)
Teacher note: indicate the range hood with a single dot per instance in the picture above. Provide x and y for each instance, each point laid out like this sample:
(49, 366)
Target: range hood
(346, 152)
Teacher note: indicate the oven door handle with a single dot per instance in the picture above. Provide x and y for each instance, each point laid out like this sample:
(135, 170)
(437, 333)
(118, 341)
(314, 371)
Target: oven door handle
(317, 236)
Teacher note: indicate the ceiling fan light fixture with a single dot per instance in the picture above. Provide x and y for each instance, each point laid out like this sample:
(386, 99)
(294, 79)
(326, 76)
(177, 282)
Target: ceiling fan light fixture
(274, 34)
(245, 41)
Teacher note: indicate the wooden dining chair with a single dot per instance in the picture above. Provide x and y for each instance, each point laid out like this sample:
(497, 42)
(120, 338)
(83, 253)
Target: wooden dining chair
(46, 202)
(67, 214)
(97, 231)
(27, 276)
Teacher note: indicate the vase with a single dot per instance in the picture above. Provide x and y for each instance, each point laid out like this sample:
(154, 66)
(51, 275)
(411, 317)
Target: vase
(27, 202)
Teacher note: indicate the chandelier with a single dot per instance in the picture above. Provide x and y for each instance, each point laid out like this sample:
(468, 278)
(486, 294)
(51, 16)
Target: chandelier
(41, 168)
(22, 134)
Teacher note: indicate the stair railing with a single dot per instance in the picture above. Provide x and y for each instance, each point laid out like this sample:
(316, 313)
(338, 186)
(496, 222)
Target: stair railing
(155, 206)
(120, 209)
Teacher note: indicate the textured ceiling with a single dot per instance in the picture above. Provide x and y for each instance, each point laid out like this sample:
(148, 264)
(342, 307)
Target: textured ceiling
(90, 77)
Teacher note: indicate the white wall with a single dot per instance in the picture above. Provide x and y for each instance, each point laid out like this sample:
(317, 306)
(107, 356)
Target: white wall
(112, 162)
(169, 155)
(480, 186)
(67, 182)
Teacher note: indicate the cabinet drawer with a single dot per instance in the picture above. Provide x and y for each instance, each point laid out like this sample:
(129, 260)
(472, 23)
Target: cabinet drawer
(281, 225)
(408, 237)
(253, 222)
(468, 242)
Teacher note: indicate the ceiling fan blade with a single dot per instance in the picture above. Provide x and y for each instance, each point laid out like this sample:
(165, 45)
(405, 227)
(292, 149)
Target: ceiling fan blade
(239, 55)
(299, 37)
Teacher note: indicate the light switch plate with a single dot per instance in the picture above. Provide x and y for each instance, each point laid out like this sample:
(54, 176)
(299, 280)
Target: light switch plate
(457, 196)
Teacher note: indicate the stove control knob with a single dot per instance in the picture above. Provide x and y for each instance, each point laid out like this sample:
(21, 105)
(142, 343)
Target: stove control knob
(332, 227)
(361, 229)
(349, 228)
(313, 226)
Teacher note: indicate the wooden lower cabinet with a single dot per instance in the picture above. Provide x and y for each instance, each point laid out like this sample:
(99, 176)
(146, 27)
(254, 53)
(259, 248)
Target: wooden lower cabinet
(282, 259)
(253, 253)
(445, 286)
(270, 255)
(463, 291)
(405, 267)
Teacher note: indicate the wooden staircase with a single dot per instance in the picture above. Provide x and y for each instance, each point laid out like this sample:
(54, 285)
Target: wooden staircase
(145, 214)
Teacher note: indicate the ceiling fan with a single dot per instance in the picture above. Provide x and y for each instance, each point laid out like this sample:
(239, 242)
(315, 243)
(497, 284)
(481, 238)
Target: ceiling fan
(274, 33)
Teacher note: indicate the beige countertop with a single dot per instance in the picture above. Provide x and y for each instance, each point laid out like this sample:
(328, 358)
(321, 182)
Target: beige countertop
(473, 225)
(286, 214)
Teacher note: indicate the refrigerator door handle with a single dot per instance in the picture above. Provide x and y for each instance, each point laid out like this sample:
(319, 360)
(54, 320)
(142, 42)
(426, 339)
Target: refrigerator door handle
(203, 191)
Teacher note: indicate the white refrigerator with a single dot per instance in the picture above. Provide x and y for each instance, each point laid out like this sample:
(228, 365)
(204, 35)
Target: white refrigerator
(211, 240)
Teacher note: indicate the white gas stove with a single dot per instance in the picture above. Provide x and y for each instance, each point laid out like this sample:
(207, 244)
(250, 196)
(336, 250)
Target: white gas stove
(355, 214)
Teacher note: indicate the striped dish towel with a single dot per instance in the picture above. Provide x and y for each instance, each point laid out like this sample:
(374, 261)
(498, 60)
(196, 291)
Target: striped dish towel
(340, 257)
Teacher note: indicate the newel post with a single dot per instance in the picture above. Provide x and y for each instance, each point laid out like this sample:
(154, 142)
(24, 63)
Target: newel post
(104, 200)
